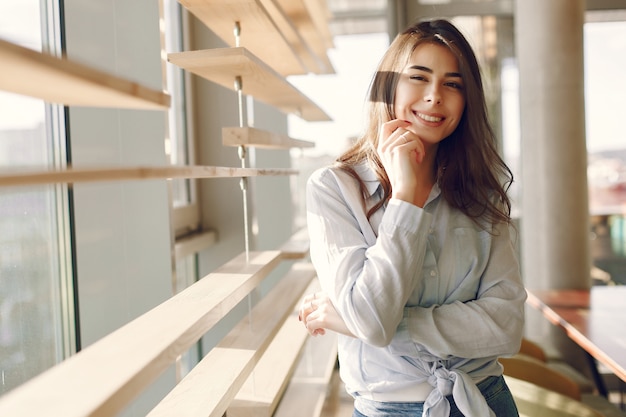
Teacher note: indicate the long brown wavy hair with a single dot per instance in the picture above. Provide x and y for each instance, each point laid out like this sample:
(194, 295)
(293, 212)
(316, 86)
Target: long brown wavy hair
(471, 174)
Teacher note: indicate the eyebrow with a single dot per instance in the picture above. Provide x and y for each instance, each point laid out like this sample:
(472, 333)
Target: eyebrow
(430, 71)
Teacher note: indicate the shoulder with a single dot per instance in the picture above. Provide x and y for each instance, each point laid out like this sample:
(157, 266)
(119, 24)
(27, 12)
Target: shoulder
(331, 175)
(362, 175)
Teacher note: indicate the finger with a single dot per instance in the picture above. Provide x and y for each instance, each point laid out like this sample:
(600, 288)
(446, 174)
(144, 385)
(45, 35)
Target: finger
(387, 132)
(313, 324)
(306, 308)
(319, 332)
(411, 142)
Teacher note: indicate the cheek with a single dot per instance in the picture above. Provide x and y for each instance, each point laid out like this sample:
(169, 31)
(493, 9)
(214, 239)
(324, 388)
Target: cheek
(403, 100)
(458, 109)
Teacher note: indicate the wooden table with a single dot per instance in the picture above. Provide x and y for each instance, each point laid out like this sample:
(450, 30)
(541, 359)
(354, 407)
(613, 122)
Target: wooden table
(595, 319)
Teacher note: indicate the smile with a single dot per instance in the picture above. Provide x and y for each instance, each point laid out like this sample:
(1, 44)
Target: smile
(429, 118)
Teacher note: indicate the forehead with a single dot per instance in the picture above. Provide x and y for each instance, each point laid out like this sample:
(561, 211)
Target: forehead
(436, 57)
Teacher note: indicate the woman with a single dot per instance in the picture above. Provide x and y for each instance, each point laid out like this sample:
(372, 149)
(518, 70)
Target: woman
(410, 239)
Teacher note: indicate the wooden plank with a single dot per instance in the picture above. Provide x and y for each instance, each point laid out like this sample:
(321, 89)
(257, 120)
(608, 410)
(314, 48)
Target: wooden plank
(249, 136)
(76, 175)
(57, 80)
(297, 246)
(260, 394)
(235, 356)
(194, 243)
(321, 15)
(103, 378)
(259, 32)
(308, 388)
(223, 65)
(311, 21)
(293, 35)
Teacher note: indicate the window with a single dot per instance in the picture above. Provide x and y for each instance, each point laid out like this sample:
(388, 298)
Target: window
(36, 307)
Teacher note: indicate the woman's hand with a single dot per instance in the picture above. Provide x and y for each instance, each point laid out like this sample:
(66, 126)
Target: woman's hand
(400, 151)
(318, 314)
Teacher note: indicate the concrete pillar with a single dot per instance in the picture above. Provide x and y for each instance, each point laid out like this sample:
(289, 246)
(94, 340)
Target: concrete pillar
(555, 208)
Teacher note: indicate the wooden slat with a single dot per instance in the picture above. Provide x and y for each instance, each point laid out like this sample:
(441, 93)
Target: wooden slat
(194, 243)
(260, 394)
(307, 390)
(76, 175)
(297, 246)
(294, 37)
(224, 370)
(315, 33)
(249, 136)
(223, 65)
(103, 378)
(259, 32)
(321, 15)
(55, 80)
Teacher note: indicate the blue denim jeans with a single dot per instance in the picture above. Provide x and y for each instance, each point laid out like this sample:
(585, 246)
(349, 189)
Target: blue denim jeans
(494, 389)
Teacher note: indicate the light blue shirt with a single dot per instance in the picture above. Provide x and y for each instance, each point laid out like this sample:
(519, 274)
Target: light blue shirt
(429, 295)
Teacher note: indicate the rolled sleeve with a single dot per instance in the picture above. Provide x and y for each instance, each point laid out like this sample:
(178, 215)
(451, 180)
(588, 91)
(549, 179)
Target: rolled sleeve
(368, 273)
(495, 316)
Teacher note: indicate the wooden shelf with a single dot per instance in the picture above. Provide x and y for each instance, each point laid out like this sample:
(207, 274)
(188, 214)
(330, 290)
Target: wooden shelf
(56, 80)
(260, 394)
(223, 65)
(249, 136)
(297, 246)
(76, 175)
(194, 243)
(266, 30)
(237, 353)
(129, 359)
(311, 17)
(307, 390)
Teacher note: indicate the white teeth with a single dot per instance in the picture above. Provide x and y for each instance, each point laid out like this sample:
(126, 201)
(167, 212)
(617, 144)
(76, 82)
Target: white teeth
(429, 118)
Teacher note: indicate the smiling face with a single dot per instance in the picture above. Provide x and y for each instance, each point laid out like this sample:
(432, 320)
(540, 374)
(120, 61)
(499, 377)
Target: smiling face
(429, 93)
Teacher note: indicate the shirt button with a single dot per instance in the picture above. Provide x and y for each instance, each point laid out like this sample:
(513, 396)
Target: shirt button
(433, 273)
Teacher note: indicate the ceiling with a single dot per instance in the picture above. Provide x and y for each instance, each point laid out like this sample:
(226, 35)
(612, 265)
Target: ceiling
(374, 16)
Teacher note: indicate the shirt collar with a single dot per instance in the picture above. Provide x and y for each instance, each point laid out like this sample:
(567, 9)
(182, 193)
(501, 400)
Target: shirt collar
(367, 174)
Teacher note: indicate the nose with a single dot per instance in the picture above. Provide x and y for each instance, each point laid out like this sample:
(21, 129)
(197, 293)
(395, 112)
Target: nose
(432, 95)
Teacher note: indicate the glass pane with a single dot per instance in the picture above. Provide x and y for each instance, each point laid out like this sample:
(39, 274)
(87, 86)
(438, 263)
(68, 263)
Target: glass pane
(33, 319)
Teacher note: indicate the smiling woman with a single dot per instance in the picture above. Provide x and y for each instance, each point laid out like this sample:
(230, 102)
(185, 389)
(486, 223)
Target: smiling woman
(410, 239)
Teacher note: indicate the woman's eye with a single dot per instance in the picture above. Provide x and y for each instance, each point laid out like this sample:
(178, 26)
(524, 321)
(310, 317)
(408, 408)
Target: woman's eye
(457, 86)
(417, 77)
